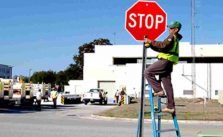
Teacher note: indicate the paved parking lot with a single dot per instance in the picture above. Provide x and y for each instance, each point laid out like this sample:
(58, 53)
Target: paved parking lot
(75, 120)
(77, 110)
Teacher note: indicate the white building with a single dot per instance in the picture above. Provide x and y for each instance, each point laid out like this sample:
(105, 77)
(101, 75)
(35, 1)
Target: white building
(112, 66)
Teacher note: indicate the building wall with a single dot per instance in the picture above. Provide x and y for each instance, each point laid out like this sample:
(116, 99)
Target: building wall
(80, 86)
(99, 66)
(216, 79)
(5, 71)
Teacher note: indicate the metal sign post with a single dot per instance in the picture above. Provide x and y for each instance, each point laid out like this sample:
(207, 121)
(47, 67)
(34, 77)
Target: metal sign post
(141, 117)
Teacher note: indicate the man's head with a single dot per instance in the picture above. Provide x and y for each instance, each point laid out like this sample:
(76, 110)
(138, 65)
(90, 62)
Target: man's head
(174, 27)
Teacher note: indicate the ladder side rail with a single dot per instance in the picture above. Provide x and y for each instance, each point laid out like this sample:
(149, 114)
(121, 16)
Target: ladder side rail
(159, 116)
(176, 124)
(153, 117)
(137, 131)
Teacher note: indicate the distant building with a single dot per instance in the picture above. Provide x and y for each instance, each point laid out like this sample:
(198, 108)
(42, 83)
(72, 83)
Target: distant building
(111, 67)
(5, 71)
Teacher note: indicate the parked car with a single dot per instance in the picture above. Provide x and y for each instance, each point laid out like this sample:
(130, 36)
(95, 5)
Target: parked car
(70, 98)
(95, 95)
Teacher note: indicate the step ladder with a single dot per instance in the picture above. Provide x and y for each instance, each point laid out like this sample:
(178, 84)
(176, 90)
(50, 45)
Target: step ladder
(156, 116)
(156, 113)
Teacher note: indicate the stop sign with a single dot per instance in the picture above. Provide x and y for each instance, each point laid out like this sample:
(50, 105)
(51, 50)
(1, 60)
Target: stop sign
(145, 18)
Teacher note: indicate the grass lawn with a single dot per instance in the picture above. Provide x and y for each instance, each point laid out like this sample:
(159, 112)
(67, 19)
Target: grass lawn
(187, 109)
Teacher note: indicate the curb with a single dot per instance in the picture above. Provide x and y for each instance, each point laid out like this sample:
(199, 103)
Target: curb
(165, 121)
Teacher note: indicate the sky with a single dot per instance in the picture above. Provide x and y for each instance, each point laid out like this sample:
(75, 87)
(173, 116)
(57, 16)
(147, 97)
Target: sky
(42, 35)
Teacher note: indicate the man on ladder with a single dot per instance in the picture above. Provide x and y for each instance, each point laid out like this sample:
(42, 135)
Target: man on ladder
(167, 57)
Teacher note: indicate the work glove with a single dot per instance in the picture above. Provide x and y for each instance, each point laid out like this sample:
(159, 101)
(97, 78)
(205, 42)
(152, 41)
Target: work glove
(147, 45)
(147, 42)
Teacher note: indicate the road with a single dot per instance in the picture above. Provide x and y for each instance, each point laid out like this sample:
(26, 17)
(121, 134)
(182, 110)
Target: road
(77, 121)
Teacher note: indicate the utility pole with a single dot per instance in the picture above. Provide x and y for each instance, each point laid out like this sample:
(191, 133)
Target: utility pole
(30, 74)
(193, 67)
(209, 80)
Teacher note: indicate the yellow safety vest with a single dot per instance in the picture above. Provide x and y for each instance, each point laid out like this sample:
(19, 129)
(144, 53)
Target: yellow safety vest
(172, 54)
(54, 94)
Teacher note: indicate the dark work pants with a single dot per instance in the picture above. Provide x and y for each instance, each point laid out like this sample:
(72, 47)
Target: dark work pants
(117, 99)
(163, 68)
(54, 102)
(38, 104)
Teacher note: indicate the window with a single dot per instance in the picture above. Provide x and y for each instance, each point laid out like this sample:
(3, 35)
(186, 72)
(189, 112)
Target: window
(216, 92)
(188, 92)
(7, 71)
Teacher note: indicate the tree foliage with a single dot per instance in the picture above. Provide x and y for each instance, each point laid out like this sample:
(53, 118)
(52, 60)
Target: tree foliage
(23, 78)
(74, 71)
(44, 77)
(86, 48)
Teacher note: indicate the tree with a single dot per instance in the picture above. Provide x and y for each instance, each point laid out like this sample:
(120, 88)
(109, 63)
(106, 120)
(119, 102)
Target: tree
(25, 79)
(22, 78)
(61, 78)
(73, 72)
(44, 77)
(85, 48)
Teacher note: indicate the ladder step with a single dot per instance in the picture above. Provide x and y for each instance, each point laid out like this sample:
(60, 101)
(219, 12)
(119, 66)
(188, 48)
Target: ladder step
(157, 113)
(163, 103)
(161, 114)
(163, 96)
(150, 112)
(167, 130)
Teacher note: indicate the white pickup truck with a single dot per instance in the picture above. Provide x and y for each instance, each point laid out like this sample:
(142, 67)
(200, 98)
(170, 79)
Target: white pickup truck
(95, 95)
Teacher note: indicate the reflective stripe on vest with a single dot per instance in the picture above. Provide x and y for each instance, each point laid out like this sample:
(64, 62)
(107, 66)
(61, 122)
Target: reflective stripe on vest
(172, 54)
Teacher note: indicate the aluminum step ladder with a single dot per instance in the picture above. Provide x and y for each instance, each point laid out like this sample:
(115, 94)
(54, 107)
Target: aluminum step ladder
(156, 116)
(156, 113)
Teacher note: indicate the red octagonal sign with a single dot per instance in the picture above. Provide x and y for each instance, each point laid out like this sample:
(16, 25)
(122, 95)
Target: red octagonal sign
(145, 18)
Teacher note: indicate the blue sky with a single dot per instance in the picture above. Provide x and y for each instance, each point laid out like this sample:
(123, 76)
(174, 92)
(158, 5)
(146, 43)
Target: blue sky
(45, 34)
